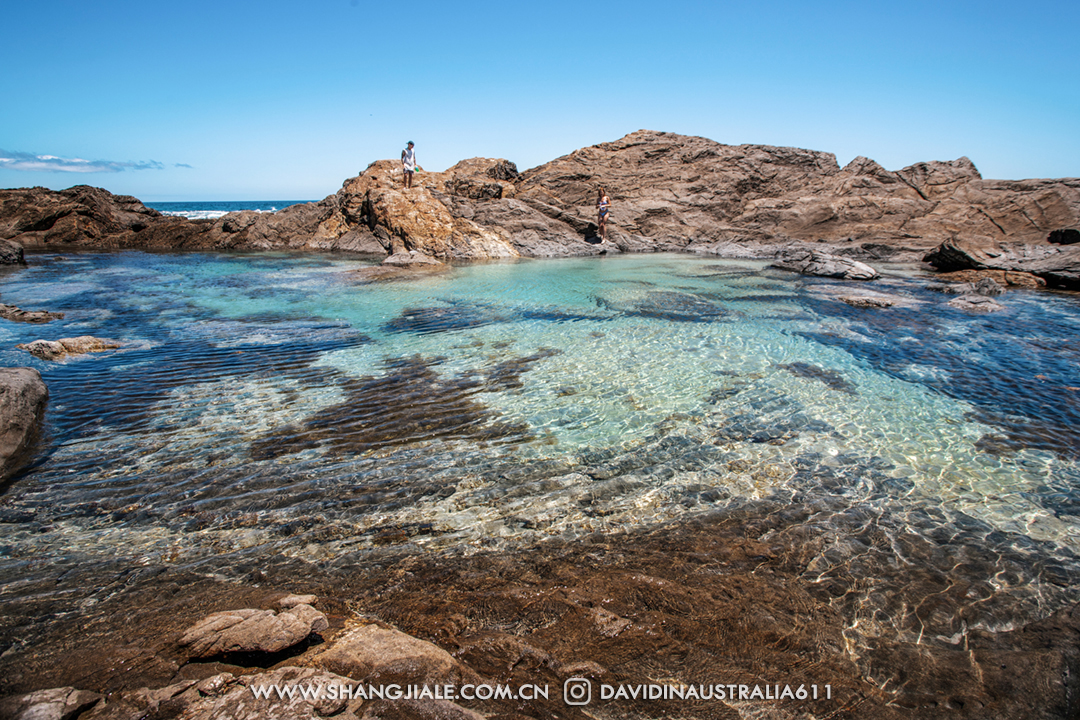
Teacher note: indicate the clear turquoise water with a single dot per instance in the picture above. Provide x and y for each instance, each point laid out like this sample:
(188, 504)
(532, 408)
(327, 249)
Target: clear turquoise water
(267, 405)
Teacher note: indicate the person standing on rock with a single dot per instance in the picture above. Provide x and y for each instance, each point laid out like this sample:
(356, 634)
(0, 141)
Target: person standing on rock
(408, 163)
(603, 205)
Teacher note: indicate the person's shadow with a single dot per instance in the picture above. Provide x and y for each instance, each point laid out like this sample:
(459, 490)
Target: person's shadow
(592, 234)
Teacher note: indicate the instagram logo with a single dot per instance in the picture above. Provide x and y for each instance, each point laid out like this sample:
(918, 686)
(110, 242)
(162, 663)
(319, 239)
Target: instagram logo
(577, 691)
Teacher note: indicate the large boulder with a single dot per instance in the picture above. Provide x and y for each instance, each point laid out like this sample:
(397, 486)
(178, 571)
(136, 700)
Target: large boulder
(23, 397)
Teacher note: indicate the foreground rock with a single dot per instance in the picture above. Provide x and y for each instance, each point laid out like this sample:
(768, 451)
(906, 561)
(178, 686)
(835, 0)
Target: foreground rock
(55, 349)
(813, 262)
(236, 698)
(373, 653)
(669, 192)
(1058, 265)
(249, 630)
(23, 397)
(64, 703)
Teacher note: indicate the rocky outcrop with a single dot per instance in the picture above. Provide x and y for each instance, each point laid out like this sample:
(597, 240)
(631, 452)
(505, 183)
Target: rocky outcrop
(250, 631)
(23, 397)
(56, 349)
(1058, 265)
(669, 192)
(813, 262)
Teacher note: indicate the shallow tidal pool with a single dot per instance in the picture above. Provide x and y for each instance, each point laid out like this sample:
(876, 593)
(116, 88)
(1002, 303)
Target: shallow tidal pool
(275, 405)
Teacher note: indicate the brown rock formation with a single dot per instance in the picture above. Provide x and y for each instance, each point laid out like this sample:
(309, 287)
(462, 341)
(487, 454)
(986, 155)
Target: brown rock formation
(669, 192)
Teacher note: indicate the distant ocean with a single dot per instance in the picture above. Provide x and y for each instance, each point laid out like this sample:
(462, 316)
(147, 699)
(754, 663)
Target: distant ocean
(201, 210)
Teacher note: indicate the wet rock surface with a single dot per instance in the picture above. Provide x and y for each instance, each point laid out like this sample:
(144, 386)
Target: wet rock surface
(765, 592)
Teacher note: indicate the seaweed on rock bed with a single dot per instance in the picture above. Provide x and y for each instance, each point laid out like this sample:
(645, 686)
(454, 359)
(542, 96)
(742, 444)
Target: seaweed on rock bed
(409, 403)
(831, 378)
(667, 305)
(459, 315)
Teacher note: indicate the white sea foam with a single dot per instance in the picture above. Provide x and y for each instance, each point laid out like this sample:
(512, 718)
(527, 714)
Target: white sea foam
(208, 214)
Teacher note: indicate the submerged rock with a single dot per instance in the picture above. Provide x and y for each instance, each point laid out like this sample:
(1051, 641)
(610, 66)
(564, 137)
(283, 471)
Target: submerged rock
(866, 301)
(23, 397)
(248, 630)
(1005, 278)
(976, 303)
(831, 378)
(812, 262)
(54, 349)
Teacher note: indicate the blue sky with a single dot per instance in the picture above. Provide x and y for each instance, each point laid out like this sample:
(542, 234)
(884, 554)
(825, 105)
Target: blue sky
(284, 100)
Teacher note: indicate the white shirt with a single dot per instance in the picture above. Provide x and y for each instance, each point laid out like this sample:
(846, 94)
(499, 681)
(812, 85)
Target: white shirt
(408, 159)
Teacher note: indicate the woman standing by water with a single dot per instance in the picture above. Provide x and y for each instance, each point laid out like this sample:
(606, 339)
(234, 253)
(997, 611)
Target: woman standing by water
(603, 205)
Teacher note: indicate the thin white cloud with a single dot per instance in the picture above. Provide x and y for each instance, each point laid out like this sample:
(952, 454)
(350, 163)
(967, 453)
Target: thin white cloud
(28, 162)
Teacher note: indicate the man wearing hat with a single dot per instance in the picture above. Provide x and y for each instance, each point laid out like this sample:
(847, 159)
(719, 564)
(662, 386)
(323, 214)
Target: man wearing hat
(408, 163)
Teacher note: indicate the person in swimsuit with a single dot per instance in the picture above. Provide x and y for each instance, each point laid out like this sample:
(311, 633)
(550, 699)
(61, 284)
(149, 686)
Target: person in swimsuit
(603, 206)
(408, 163)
